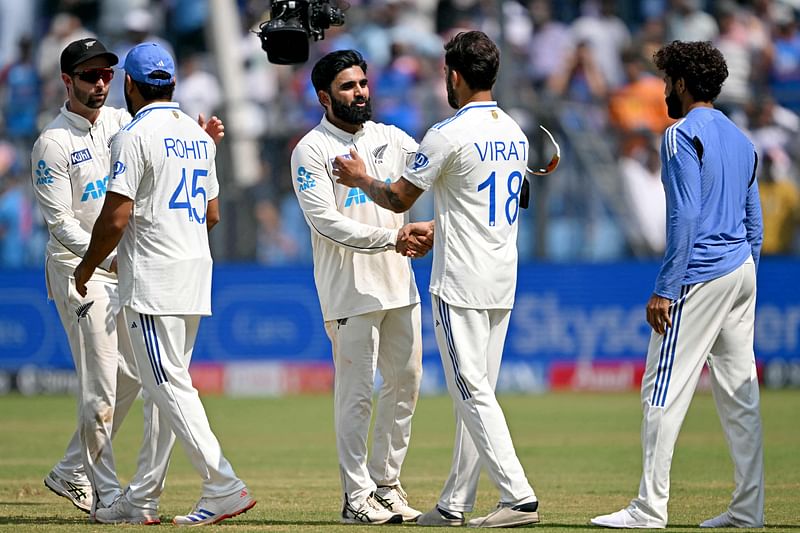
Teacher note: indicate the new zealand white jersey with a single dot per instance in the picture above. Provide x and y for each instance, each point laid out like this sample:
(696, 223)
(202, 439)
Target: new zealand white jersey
(475, 162)
(356, 269)
(164, 161)
(70, 167)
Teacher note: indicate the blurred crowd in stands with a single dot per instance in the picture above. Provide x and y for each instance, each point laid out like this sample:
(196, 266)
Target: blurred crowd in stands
(582, 68)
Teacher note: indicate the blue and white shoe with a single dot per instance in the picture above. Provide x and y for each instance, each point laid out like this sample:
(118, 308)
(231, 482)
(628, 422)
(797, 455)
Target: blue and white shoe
(212, 510)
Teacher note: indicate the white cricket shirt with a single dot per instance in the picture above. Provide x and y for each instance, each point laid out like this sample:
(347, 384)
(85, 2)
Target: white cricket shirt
(69, 171)
(356, 269)
(164, 161)
(474, 162)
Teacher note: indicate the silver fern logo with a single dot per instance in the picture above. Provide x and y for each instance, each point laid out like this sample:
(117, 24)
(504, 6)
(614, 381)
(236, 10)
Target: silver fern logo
(378, 152)
(83, 310)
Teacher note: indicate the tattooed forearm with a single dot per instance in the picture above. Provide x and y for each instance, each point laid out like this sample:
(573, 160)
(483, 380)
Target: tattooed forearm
(383, 195)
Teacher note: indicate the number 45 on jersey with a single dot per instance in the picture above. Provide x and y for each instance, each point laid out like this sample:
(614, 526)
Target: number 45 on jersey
(183, 197)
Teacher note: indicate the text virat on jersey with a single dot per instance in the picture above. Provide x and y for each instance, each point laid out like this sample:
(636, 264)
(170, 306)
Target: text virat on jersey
(503, 150)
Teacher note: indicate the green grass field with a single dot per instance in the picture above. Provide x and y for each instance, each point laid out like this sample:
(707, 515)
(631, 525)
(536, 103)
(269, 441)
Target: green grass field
(580, 451)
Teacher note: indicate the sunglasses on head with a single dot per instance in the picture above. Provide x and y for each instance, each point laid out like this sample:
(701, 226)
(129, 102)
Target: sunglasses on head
(91, 75)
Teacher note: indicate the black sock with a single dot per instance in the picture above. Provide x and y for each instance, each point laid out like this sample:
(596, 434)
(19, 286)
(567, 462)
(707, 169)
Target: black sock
(529, 507)
(448, 515)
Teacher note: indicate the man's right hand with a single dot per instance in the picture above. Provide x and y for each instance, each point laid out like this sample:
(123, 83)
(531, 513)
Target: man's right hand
(415, 239)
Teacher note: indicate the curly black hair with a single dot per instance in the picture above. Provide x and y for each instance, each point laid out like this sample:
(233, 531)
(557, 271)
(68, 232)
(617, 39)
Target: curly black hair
(701, 66)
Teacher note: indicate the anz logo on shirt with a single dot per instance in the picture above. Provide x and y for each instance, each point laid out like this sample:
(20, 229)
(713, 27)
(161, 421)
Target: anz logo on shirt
(95, 190)
(305, 180)
(42, 172)
(358, 197)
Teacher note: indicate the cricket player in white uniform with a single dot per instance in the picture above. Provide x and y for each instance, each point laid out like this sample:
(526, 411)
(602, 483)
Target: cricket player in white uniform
(70, 165)
(367, 291)
(474, 162)
(702, 310)
(160, 205)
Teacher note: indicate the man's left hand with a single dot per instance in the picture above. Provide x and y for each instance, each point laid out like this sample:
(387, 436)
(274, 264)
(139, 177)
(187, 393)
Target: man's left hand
(350, 171)
(213, 127)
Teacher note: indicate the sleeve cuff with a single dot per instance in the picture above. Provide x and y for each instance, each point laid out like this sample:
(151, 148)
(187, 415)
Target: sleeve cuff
(393, 238)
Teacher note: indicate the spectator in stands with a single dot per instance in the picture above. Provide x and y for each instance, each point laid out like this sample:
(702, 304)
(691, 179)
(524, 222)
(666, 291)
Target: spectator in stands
(199, 91)
(20, 88)
(784, 59)
(639, 104)
(550, 46)
(15, 211)
(736, 47)
(685, 21)
(606, 35)
(644, 193)
(780, 204)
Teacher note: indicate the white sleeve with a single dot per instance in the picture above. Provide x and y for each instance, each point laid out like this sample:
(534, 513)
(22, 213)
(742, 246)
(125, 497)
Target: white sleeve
(314, 188)
(52, 188)
(432, 156)
(127, 164)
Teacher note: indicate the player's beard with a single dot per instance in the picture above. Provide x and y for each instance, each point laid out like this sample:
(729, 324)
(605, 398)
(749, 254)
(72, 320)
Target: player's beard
(451, 92)
(674, 105)
(90, 99)
(129, 104)
(352, 113)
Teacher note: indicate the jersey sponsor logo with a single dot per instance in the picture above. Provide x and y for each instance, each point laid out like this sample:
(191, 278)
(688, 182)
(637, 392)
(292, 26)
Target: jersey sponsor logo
(358, 197)
(420, 161)
(95, 190)
(80, 156)
(305, 180)
(42, 172)
(119, 168)
(378, 153)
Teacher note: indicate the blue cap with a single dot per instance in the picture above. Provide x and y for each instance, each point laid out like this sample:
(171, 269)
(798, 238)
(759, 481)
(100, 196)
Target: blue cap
(146, 58)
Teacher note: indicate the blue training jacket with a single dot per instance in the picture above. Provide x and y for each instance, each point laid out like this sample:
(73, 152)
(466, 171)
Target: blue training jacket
(713, 208)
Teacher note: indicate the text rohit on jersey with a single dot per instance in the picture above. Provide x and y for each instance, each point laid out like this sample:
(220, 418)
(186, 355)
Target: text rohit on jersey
(186, 149)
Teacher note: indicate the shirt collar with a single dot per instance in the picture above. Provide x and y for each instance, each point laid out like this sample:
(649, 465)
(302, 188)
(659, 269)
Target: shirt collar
(158, 105)
(79, 121)
(472, 105)
(344, 135)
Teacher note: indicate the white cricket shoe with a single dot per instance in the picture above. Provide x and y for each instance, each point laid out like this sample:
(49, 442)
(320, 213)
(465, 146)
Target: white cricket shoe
(438, 517)
(124, 512)
(370, 512)
(212, 510)
(626, 519)
(726, 520)
(395, 499)
(79, 491)
(508, 516)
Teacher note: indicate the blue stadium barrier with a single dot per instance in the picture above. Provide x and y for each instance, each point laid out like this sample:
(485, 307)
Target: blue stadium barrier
(564, 313)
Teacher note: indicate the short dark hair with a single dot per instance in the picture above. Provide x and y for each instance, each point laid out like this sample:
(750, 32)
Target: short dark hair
(475, 57)
(701, 66)
(156, 92)
(326, 69)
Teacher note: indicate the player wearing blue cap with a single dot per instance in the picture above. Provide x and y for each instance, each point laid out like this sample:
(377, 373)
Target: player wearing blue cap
(70, 167)
(161, 203)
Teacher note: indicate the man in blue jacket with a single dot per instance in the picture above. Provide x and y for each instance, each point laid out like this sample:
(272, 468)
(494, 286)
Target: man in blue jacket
(703, 308)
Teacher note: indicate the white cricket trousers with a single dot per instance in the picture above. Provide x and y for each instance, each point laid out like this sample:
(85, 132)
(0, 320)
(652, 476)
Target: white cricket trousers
(471, 346)
(390, 340)
(163, 348)
(107, 381)
(712, 323)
